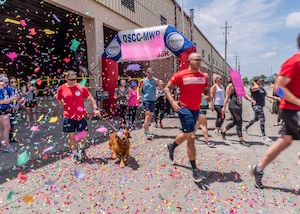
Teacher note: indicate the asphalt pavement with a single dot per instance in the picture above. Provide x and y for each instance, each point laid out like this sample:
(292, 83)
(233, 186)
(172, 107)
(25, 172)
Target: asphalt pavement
(50, 182)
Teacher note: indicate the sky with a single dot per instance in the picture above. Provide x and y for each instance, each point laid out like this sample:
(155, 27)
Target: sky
(262, 33)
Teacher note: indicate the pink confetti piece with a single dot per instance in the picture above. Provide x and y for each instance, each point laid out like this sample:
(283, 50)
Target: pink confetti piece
(23, 22)
(80, 135)
(102, 130)
(12, 55)
(48, 149)
(34, 128)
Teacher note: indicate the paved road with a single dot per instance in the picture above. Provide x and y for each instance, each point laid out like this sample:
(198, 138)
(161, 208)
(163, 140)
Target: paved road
(150, 184)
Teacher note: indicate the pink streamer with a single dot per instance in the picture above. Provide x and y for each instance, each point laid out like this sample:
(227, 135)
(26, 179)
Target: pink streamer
(145, 50)
(238, 83)
(80, 135)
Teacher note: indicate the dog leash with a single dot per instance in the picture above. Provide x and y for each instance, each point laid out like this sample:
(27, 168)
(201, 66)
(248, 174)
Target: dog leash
(104, 119)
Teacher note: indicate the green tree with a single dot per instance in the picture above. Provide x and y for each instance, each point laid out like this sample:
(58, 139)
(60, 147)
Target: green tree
(263, 76)
(245, 80)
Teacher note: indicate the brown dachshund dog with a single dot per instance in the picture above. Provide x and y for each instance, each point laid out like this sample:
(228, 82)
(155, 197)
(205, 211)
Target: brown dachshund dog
(119, 145)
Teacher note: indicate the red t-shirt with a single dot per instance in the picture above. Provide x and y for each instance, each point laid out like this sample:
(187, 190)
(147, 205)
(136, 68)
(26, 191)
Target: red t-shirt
(291, 69)
(73, 100)
(191, 86)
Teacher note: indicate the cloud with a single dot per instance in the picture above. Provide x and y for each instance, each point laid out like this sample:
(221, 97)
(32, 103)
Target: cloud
(293, 20)
(269, 54)
(252, 35)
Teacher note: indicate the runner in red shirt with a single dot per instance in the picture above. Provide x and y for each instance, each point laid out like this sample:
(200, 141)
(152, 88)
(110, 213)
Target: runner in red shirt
(71, 96)
(287, 87)
(192, 83)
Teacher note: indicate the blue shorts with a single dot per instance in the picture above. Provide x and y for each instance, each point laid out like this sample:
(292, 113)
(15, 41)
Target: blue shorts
(71, 125)
(149, 105)
(188, 119)
(202, 112)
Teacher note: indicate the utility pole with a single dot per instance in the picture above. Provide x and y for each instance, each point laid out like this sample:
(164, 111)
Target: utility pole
(192, 24)
(225, 60)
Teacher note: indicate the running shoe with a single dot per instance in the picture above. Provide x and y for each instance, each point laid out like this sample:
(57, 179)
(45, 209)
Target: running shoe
(257, 176)
(197, 176)
(160, 125)
(210, 143)
(217, 132)
(8, 149)
(223, 135)
(245, 131)
(267, 139)
(149, 136)
(170, 152)
(244, 143)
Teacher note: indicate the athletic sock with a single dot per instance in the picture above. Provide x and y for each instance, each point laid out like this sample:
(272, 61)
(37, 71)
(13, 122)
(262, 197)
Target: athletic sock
(193, 163)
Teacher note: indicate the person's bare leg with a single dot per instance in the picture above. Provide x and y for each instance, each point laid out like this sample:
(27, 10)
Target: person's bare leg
(148, 116)
(191, 150)
(5, 123)
(274, 150)
(72, 141)
(34, 116)
(28, 111)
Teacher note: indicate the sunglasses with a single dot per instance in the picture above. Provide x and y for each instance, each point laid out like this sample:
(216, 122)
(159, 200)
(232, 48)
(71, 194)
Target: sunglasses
(72, 79)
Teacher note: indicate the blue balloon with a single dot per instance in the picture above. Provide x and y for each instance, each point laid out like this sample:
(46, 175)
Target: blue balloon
(280, 92)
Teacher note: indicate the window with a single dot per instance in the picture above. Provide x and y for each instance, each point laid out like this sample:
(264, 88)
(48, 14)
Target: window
(213, 61)
(209, 57)
(163, 20)
(129, 4)
(203, 53)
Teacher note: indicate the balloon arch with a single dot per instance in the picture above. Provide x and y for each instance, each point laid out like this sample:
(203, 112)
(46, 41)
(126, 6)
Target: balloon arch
(143, 44)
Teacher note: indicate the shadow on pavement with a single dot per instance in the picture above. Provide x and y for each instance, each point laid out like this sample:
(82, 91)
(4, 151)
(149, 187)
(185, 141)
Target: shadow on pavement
(292, 191)
(215, 176)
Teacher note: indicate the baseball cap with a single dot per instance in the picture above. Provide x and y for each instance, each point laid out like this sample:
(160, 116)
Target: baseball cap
(133, 84)
(257, 78)
(3, 78)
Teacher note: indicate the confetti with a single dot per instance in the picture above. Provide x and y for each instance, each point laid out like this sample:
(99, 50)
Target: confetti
(80, 135)
(28, 198)
(23, 158)
(53, 120)
(102, 130)
(9, 196)
(79, 175)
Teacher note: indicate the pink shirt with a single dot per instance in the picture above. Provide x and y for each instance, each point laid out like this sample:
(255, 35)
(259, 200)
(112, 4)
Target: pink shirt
(133, 101)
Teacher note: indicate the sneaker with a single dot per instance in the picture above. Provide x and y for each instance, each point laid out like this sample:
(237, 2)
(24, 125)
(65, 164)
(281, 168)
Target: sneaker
(156, 125)
(257, 176)
(149, 136)
(223, 135)
(160, 125)
(83, 154)
(245, 131)
(267, 139)
(8, 149)
(217, 132)
(197, 176)
(77, 158)
(210, 143)
(244, 143)
(170, 152)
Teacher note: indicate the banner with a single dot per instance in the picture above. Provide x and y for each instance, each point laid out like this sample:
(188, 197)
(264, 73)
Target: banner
(147, 44)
